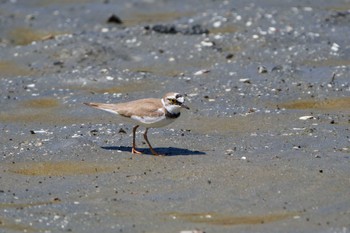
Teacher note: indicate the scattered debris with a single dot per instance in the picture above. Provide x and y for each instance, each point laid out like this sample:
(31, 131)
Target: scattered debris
(277, 68)
(32, 85)
(229, 56)
(48, 37)
(333, 79)
(39, 132)
(121, 130)
(245, 80)
(58, 63)
(201, 72)
(192, 231)
(77, 135)
(304, 118)
(208, 98)
(207, 43)
(335, 47)
(195, 30)
(230, 151)
(166, 29)
(94, 132)
(339, 17)
(252, 110)
(172, 29)
(262, 70)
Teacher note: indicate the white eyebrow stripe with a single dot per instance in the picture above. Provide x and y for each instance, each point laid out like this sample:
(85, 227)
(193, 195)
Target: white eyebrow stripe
(181, 99)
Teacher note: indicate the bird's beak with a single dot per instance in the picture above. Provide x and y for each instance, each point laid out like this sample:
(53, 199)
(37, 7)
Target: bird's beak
(184, 106)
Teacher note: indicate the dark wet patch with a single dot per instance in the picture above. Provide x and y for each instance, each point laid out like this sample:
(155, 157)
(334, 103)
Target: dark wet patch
(25, 36)
(41, 103)
(158, 70)
(337, 104)
(30, 204)
(236, 124)
(327, 62)
(10, 68)
(127, 88)
(34, 110)
(43, 117)
(174, 69)
(44, 3)
(138, 18)
(10, 225)
(42, 110)
(221, 219)
(46, 114)
(339, 7)
(62, 168)
(224, 29)
(173, 29)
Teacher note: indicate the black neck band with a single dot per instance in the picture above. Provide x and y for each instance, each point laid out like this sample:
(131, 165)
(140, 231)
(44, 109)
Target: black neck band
(171, 115)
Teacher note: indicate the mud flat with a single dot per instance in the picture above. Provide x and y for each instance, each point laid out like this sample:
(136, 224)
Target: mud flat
(265, 147)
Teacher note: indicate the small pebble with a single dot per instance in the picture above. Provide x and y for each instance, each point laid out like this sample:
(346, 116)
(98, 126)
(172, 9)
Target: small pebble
(217, 24)
(104, 30)
(229, 151)
(38, 131)
(30, 85)
(114, 19)
(262, 70)
(191, 231)
(245, 80)
(201, 72)
(304, 118)
(229, 56)
(207, 43)
(335, 47)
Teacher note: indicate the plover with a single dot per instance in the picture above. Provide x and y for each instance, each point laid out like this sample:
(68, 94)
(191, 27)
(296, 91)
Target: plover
(149, 113)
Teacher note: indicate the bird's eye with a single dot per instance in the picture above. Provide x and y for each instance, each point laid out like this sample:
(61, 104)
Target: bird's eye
(173, 101)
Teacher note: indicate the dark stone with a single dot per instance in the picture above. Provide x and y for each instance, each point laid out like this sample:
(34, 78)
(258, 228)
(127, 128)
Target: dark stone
(114, 19)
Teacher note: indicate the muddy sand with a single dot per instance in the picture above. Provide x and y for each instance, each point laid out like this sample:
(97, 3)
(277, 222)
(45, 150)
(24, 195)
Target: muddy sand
(264, 148)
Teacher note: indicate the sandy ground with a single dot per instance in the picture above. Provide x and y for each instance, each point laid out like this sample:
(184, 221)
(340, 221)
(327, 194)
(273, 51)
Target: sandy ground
(264, 148)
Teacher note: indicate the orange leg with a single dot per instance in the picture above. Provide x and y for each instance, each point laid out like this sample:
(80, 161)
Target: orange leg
(149, 144)
(133, 150)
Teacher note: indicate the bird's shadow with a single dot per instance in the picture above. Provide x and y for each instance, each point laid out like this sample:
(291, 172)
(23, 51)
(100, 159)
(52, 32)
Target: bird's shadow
(167, 151)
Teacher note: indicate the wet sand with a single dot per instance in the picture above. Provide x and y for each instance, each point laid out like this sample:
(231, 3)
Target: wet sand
(264, 148)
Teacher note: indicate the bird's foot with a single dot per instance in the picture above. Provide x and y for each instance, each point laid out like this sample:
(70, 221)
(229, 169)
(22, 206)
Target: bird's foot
(134, 151)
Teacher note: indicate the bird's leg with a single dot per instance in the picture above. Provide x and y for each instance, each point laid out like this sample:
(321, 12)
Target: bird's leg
(133, 150)
(149, 144)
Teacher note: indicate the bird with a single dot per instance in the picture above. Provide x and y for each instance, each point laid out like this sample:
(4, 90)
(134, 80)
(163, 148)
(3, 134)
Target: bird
(149, 113)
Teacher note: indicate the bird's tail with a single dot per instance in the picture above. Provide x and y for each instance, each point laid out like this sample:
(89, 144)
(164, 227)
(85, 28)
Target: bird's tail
(94, 105)
(105, 107)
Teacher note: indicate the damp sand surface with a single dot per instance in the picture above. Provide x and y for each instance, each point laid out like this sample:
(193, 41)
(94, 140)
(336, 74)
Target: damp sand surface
(263, 148)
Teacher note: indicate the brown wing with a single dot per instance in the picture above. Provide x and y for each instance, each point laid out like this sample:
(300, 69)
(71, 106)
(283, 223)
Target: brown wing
(143, 107)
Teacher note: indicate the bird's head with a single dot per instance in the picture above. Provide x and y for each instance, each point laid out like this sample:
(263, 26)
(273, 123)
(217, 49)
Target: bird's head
(174, 102)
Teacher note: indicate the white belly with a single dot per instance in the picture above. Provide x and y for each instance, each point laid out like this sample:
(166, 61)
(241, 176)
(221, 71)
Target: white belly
(153, 122)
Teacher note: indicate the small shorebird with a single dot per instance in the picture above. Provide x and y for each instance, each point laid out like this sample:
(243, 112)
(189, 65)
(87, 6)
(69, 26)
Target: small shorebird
(150, 113)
